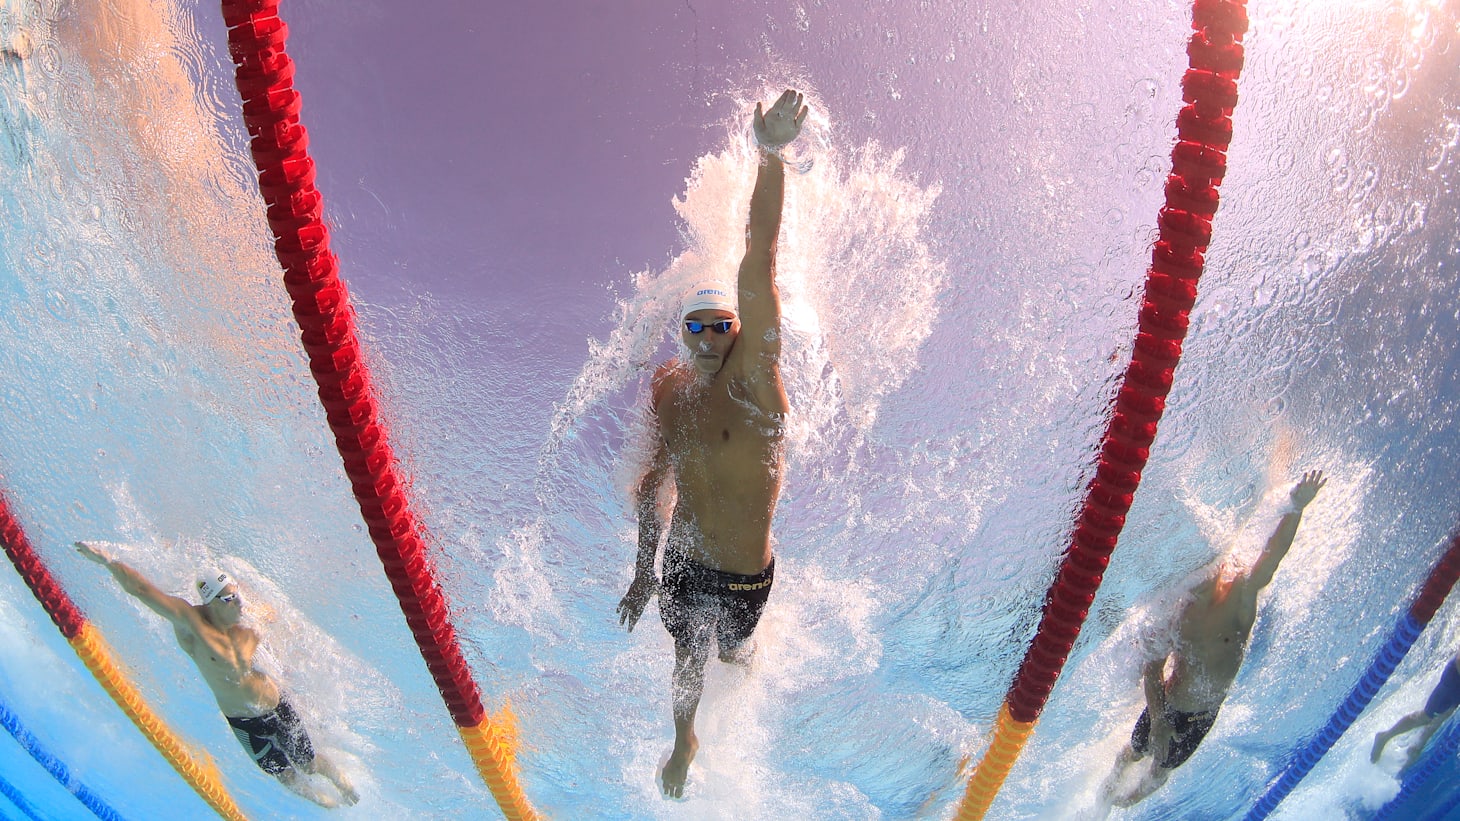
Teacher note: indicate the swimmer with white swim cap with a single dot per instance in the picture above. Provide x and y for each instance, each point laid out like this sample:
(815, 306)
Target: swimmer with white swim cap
(708, 317)
(261, 716)
(720, 424)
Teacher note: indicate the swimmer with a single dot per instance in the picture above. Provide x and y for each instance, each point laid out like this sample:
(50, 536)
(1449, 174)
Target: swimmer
(720, 418)
(16, 41)
(1442, 702)
(1211, 631)
(223, 650)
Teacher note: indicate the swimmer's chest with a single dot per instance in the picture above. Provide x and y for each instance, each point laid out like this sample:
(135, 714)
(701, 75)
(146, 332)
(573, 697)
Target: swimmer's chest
(230, 653)
(1220, 625)
(709, 422)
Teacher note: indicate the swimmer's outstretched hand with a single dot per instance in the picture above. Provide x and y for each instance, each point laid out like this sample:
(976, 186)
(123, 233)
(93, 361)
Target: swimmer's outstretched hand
(780, 125)
(95, 554)
(631, 606)
(1305, 490)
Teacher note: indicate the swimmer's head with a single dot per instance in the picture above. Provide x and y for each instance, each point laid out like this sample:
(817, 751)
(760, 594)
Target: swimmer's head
(211, 585)
(222, 603)
(709, 323)
(709, 295)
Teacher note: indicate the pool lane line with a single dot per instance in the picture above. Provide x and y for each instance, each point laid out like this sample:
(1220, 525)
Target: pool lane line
(1198, 165)
(279, 143)
(83, 637)
(1432, 594)
(52, 765)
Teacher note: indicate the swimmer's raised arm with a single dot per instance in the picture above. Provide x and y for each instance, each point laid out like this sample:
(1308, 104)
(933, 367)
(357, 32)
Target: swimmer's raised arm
(756, 355)
(1282, 537)
(176, 610)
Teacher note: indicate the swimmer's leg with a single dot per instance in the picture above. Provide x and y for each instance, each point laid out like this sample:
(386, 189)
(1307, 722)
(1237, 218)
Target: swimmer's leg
(689, 685)
(325, 767)
(1151, 776)
(741, 655)
(301, 786)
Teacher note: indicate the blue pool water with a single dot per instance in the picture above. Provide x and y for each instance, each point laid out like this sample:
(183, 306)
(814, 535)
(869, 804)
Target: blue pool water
(515, 195)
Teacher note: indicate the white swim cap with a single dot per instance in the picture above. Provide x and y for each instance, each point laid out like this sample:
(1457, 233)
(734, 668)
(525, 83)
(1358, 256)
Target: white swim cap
(210, 587)
(710, 294)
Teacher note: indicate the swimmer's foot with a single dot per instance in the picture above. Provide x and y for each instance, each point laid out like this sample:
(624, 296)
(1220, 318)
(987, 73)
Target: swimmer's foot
(676, 769)
(741, 656)
(349, 796)
(18, 46)
(303, 788)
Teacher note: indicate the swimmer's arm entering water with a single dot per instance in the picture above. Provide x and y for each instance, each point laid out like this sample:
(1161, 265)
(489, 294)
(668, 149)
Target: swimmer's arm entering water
(646, 503)
(1282, 537)
(174, 609)
(755, 359)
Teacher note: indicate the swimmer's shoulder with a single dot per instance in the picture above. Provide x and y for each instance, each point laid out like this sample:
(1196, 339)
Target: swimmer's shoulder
(667, 377)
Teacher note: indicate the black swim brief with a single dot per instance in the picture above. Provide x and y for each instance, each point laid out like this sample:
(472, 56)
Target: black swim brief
(277, 740)
(694, 599)
(1187, 731)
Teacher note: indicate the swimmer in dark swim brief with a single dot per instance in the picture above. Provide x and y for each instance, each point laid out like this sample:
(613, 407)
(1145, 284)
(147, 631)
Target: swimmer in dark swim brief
(276, 741)
(720, 412)
(223, 648)
(695, 600)
(1187, 676)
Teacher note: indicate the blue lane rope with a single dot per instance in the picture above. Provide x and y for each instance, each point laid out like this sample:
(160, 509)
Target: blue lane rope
(1388, 657)
(19, 800)
(56, 767)
(1440, 750)
(1442, 811)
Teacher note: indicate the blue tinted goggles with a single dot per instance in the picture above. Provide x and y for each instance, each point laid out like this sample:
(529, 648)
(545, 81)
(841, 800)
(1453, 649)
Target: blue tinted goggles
(719, 326)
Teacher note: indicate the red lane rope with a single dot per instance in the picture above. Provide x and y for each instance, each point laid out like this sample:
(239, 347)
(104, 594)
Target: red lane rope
(59, 606)
(271, 107)
(1198, 164)
(1438, 584)
(279, 142)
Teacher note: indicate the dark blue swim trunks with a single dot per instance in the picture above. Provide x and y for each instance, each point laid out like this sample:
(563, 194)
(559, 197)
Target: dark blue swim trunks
(277, 740)
(695, 600)
(1446, 695)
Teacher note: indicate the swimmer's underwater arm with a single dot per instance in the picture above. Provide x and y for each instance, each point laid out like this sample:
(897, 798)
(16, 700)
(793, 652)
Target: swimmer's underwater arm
(646, 504)
(172, 608)
(1153, 681)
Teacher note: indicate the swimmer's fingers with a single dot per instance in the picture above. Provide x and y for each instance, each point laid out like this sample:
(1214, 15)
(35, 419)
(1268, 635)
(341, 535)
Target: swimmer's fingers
(629, 612)
(782, 123)
(93, 553)
(1312, 482)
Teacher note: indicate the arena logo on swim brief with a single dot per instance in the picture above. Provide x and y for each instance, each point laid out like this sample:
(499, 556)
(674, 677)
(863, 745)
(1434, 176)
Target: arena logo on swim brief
(736, 586)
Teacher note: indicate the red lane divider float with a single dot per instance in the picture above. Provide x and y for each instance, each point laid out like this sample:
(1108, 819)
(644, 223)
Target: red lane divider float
(279, 143)
(1198, 164)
